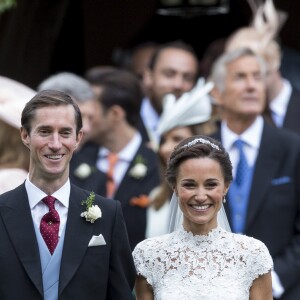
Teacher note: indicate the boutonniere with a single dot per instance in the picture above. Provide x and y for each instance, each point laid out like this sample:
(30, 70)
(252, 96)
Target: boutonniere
(139, 170)
(93, 212)
(84, 170)
(141, 201)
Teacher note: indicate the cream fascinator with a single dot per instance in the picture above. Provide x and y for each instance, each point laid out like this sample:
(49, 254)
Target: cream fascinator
(191, 108)
(13, 97)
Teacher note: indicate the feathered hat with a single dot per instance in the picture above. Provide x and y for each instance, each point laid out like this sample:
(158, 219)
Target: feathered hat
(13, 97)
(191, 108)
(260, 36)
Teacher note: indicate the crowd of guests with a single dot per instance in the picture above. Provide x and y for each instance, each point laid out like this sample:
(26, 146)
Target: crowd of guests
(153, 132)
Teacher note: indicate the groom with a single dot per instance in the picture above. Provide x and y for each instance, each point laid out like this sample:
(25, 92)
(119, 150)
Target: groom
(52, 246)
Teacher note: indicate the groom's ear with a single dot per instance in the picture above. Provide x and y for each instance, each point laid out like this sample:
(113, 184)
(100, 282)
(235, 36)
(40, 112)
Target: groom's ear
(24, 136)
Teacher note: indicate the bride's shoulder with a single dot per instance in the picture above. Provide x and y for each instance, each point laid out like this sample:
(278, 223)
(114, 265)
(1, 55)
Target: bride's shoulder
(248, 243)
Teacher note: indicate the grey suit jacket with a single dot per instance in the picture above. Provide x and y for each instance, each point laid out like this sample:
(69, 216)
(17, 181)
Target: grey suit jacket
(273, 214)
(100, 272)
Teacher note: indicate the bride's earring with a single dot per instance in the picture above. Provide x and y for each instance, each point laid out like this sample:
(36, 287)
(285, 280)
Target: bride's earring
(224, 199)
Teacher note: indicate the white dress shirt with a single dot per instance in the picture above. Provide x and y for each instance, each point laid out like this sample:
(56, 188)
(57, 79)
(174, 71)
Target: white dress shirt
(251, 137)
(39, 208)
(278, 105)
(150, 118)
(125, 156)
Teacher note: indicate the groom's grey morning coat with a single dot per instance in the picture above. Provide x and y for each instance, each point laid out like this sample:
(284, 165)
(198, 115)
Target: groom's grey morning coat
(99, 272)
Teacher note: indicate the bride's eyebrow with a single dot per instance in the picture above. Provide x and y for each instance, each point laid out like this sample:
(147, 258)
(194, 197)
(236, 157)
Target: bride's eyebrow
(213, 179)
(187, 180)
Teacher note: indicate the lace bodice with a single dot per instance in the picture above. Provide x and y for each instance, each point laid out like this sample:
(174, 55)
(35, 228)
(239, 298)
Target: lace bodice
(220, 265)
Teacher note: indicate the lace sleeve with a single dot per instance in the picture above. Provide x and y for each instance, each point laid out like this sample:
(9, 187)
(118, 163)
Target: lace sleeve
(259, 260)
(143, 265)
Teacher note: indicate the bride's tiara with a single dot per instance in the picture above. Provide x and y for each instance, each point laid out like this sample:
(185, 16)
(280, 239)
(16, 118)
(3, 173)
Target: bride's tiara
(202, 141)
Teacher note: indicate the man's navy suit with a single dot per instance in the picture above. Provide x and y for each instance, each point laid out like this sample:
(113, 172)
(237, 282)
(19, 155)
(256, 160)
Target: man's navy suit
(292, 116)
(273, 213)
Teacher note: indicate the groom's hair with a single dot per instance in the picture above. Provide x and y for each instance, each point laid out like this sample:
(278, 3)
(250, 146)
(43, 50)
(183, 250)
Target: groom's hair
(47, 98)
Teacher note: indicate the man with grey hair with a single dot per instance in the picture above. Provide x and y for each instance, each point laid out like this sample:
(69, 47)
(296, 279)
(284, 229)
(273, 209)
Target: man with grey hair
(80, 91)
(263, 199)
(261, 36)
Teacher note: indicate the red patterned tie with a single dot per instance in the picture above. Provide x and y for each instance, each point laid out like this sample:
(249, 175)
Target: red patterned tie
(49, 226)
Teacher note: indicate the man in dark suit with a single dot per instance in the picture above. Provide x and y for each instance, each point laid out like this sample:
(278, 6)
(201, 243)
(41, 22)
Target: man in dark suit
(52, 246)
(135, 172)
(173, 69)
(266, 204)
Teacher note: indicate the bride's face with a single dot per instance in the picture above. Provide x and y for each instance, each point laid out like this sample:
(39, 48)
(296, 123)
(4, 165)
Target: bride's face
(200, 189)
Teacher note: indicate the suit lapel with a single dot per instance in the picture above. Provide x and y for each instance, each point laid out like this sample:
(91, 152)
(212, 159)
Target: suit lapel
(77, 236)
(127, 179)
(17, 218)
(291, 120)
(264, 169)
(129, 185)
(97, 180)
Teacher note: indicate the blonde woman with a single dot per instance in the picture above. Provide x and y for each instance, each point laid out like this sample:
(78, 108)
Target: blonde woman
(14, 156)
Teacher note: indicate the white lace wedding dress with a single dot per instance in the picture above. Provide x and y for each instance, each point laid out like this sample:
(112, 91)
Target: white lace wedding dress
(220, 265)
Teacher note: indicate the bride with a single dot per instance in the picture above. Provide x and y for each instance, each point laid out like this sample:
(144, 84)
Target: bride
(201, 259)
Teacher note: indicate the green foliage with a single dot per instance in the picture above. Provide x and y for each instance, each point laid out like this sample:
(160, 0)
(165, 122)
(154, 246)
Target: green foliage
(89, 201)
(7, 4)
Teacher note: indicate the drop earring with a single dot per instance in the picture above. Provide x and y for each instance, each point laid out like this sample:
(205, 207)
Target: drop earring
(224, 199)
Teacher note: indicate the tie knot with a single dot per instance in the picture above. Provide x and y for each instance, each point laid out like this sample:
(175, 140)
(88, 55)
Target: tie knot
(49, 201)
(112, 158)
(239, 144)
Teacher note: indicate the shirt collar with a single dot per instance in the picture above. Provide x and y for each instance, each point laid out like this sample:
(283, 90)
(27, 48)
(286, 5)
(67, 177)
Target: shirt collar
(251, 136)
(149, 115)
(279, 104)
(128, 152)
(35, 195)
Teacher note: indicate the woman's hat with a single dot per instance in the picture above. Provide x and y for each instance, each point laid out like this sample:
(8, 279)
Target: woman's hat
(191, 108)
(13, 97)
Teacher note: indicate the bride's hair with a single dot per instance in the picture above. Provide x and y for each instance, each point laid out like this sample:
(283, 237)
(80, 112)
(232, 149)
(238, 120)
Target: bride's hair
(194, 147)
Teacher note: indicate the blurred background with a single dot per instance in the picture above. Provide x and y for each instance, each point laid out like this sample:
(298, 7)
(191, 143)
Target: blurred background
(40, 38)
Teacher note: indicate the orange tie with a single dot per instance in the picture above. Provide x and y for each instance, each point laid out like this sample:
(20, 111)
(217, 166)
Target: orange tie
(110, 183)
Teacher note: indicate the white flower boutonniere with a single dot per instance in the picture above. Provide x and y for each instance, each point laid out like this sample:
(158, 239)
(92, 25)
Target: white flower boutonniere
(139, 169)
(93, 212)
(83, 171)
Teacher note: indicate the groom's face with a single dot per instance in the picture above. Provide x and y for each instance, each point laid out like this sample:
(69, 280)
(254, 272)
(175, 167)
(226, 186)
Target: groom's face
(51, 141)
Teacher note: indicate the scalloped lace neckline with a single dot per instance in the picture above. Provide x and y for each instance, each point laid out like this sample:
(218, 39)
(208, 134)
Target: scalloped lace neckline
(213, 234)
